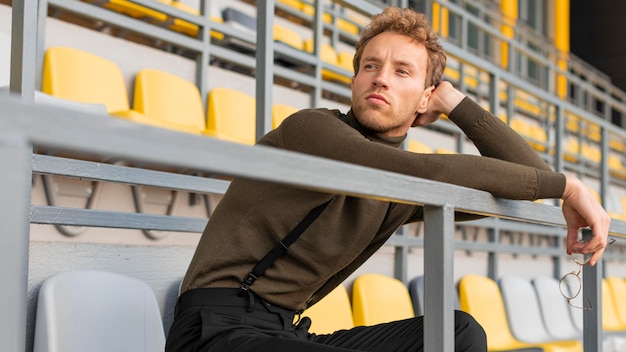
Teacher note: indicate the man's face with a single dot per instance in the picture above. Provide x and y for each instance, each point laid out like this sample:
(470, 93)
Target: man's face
(388, 92)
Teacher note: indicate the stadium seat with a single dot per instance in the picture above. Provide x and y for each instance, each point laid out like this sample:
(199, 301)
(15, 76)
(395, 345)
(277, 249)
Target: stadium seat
(331, 313)
(346, 60)
(380, 299)
(481, 297)
(418, 147)
(591, 152)
(84, 77)
(534, 135)
(617, 168)
(554, 309)
(281, 112)
(329, 56)
(231, 116)
(132, 9)
(287, 36)
(416, 291)
(169, 101)
(189, 28)
(617, 211)
(524, 315)
(611, 321)
(571, 149)
(617, 288)
(97, 311)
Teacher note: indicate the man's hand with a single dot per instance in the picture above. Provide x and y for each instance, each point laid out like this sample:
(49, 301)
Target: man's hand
(580, 209)
(442, 100)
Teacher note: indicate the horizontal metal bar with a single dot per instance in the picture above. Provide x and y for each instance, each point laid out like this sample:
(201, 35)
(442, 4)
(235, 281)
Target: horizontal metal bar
(50, 165)
(47, 126)
(49, 215)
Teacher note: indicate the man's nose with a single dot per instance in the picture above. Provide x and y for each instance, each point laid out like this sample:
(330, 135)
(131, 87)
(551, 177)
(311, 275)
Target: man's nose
(381, 79)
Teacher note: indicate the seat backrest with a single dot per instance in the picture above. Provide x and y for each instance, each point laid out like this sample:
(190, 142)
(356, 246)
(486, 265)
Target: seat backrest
(554, 309)
(418, 147)
(84, 77)
(327, 52)
(97, 311)
(522, 309)
(165, 97)
(610, 317)
(380, 299)
(617, 288)
(331, 313)
(416, 291)
(481, 297)
(231, 115)
(281, 112)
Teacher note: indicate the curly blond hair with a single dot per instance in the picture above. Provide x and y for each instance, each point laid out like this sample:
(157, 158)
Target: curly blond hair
(412, 24)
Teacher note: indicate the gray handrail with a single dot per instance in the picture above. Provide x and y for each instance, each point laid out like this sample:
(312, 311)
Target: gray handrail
(24, 125)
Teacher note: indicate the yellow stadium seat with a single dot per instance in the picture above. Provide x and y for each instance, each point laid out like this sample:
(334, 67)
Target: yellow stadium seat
(310, 11)
(444, 151)
(281, 112)
(480, 296)
(169, 101)
(617, 288)
(84, 77)
(231, 116)
(345, 59)
(616, 166)
(380, 299)
(610, 312)
(132, 9)
(571, 150)
(418, 147)
(591, 152)
(533, 134)
(294, 4)
(189, 28)
(332, 313)
(329, 56)
(290, 37)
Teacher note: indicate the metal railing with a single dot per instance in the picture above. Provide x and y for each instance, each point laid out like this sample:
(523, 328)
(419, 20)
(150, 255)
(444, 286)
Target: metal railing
(25, 125)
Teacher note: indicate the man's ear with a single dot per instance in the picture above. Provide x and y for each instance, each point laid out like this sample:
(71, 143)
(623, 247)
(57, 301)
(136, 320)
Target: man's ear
(423, 105)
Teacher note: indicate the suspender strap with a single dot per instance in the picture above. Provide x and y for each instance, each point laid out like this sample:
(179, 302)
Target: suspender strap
(281, 248)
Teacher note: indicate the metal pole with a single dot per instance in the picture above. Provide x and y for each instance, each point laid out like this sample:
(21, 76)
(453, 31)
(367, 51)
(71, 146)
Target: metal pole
(15, 181)
(438, 278)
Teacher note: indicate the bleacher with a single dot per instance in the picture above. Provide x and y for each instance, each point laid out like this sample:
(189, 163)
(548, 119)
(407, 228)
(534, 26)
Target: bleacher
(175, 59)
(80, 309)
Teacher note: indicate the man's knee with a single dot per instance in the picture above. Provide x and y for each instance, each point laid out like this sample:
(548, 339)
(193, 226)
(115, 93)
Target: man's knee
(469, 334)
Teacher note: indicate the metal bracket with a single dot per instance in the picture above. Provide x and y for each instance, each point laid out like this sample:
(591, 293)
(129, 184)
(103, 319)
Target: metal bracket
(87, 190)
(156, 197)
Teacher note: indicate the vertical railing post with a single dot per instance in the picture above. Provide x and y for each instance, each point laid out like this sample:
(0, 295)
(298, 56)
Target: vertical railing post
(24, 48)
(15, 181)
(438, 278)
(592, 294)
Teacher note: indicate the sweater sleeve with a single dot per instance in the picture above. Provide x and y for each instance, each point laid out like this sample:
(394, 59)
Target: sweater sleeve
(320, 133)
(494, 138)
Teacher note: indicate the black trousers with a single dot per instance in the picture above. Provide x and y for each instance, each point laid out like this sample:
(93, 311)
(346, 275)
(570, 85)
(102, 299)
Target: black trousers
(217, 320)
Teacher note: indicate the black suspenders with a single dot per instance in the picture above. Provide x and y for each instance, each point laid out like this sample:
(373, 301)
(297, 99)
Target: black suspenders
(281, 248)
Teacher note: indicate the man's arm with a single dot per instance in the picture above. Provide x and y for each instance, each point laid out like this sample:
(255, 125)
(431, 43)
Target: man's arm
(490, 135)
(580, 208)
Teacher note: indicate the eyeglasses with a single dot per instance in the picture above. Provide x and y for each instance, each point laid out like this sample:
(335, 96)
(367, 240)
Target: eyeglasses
(571, 283)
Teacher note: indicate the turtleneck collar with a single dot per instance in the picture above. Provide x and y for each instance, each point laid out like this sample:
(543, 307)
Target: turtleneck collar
(373, 135)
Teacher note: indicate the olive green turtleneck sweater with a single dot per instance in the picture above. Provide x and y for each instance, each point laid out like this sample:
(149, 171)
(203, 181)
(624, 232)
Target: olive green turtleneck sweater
(254, 216)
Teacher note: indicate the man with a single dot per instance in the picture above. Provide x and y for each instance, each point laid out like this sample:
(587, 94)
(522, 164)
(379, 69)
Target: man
(227, 305)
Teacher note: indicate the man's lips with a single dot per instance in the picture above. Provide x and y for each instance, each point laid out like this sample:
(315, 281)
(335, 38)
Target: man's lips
(377, 99)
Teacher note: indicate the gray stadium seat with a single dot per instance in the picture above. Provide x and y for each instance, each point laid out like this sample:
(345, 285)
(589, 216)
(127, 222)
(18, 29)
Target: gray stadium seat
(97, 311)
(416, 291)
(554, 309)
(524, 315)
